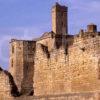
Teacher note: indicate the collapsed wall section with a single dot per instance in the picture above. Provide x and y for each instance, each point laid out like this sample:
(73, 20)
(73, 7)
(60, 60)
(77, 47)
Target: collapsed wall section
(7, 85)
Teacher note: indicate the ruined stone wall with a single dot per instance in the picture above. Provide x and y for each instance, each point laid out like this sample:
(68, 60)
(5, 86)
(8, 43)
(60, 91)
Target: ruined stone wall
(7, 85)
(84, 56)
(41, 76)
(72, 71)
(51, 74)
(73, 66)
(60, 72)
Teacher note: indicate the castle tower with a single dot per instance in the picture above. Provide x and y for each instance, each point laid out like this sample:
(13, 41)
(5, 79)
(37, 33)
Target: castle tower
(92, 28)
(59, 19)
(22, 64)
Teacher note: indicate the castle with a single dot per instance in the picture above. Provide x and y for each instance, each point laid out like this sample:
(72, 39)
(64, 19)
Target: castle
(56, 64)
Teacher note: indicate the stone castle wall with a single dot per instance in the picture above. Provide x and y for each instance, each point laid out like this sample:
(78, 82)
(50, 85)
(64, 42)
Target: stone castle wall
(62, 67)
(84, 62)
(74, 71)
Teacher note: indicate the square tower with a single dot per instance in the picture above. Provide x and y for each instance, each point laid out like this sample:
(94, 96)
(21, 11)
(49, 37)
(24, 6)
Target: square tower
(59, 19)
(22, 64)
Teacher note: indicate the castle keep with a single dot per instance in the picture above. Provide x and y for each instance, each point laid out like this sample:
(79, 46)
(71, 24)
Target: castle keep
(57, 63)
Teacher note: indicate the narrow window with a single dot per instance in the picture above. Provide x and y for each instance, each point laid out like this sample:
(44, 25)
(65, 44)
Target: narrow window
(27, 67)
(12, 63)
(12, 49)
(62, 23)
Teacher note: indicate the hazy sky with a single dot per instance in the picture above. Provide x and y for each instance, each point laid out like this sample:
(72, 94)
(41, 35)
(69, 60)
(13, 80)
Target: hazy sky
(27, 19)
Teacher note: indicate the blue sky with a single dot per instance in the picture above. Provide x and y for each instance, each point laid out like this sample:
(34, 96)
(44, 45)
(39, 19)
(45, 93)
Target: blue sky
(27, 19)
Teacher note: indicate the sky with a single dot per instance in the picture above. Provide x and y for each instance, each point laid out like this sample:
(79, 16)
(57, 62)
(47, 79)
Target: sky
(28, 19)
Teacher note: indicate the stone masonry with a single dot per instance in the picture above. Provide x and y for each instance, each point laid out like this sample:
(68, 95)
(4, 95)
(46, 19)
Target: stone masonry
(22, 64)
(55, 66)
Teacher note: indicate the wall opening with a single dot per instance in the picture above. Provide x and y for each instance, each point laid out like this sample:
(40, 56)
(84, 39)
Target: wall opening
(12, 49)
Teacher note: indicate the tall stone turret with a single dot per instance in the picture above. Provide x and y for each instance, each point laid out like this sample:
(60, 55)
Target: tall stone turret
(59, 19)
